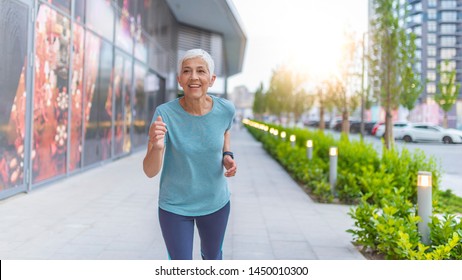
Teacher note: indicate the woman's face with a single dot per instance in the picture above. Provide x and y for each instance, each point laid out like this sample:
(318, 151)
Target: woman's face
(195, 77)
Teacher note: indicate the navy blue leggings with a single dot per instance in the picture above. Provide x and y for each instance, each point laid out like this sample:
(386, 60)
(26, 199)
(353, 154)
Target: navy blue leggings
(178, 233)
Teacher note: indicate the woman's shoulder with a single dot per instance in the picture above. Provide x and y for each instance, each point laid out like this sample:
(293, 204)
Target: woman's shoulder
(169, 105)
(228, 105)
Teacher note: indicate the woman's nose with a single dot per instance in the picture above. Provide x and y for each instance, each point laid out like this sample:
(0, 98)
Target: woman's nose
(194, 75)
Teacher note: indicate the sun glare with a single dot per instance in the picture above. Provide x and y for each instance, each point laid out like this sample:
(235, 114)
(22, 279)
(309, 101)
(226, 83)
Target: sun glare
(313, 41)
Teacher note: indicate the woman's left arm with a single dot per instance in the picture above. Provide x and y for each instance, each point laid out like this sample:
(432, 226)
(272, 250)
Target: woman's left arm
(228, 161)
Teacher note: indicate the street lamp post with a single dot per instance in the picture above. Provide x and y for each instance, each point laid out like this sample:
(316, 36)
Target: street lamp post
(292, 140)
(333, 155)
(424, 204)
(309, 149)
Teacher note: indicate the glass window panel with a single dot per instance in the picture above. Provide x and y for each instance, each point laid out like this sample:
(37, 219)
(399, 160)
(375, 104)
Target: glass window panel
(79, 11)
(141, 45)
(432, 26)
(431, 76)
(431, 63)
(448, 28)
(127, 97)
(128, 5)
(431, 14)
(51, 98)
(142, 14)
(122, 95)
(64, 5)
(148, 93)
(431, 88)
(431, 38)
(449, 4)
(448, 53)
(448, 16)
(75, 153)
(448, 41)
(13, 52)
(100, 17)
(124, 26)
(97, 100)
(448, 67)
(431, 51)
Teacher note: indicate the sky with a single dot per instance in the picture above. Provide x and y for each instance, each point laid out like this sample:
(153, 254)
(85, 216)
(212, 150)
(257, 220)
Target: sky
(305, 34)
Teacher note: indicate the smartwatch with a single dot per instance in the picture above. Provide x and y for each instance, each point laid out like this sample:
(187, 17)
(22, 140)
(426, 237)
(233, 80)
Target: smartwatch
(229, 154)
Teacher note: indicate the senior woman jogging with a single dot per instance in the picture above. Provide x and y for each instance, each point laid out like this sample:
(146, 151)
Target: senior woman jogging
(194, 133)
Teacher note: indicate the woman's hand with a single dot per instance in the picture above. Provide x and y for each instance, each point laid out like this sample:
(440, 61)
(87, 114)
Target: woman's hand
(157, 134)
(230, 166)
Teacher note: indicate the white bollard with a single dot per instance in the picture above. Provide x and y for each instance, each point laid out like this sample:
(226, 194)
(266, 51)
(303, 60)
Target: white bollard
(333, 155)
(309, 149)
(424, 204)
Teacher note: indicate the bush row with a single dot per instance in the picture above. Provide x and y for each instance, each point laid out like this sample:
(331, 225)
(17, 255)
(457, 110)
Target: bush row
(380, 187)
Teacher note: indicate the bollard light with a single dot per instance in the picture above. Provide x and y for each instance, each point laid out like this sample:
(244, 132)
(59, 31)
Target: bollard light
(424, 204)
(292, 140)
(333, 152)
(283, 135)
(309, 143)
(309, 149)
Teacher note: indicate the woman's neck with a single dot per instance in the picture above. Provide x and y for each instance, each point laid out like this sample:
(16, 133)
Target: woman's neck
(197, 107)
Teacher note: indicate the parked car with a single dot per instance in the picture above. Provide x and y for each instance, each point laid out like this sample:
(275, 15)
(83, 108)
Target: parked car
(375, 127)
(397, 129)
(429, 132)
(316, 123)
(355, 127)
(337, 125)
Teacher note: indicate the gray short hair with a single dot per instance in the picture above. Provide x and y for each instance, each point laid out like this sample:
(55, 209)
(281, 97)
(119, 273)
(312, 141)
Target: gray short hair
(193, 53)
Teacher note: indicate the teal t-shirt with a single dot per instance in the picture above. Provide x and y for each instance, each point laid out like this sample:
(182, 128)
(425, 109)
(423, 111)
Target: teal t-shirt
(192, 181)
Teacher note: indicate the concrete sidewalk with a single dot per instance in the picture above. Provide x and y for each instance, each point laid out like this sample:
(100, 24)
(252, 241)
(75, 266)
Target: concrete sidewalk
(110, 212)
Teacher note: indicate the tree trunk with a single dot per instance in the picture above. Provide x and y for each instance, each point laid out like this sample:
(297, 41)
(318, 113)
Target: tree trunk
(345, 122)
(388, 129)
(321, 119)
(445, 120)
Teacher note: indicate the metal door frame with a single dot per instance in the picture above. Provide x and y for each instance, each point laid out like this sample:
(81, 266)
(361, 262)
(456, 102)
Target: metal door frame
(26, 184)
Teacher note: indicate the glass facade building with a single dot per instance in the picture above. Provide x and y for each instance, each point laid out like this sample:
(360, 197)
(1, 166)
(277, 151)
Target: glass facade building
(80, 79)
(438, 26)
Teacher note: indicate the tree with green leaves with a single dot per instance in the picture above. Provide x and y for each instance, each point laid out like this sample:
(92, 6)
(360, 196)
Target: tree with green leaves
(301, 103)
(285, 94)
(345, 98)
(259, 103)
(390, 66)
(410, 82)
(279, 92)
(322, 97)
(448, 90)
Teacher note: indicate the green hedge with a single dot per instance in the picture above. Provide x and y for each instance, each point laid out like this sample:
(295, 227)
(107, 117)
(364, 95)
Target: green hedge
(380, 187)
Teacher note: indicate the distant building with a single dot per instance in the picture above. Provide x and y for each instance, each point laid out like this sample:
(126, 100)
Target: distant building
(439, 37)
(438, 27)
(243, 100)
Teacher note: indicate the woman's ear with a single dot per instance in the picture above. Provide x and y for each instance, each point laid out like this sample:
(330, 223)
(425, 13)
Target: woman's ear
(212, 80)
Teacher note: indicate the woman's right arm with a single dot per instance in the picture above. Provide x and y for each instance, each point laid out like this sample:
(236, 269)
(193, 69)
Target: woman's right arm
(152, 162)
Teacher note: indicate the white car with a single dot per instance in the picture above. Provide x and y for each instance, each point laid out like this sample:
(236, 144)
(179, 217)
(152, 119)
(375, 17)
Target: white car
(430, 132)
(397, 129)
